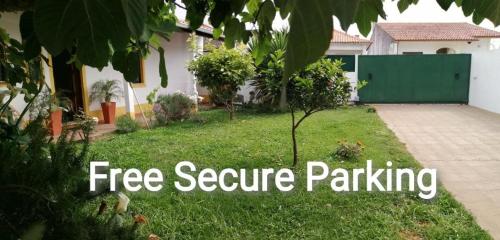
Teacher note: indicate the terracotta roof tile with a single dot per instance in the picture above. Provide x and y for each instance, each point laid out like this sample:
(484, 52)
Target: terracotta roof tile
(203, 28)
(342, 37)
(437, 31)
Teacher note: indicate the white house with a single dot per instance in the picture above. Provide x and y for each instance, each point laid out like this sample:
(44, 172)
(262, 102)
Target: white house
(76, 83)
(447, 38)
(347, 48)
(429, 38)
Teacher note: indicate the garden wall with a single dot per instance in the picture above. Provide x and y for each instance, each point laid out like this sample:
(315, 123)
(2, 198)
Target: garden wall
(484, 89)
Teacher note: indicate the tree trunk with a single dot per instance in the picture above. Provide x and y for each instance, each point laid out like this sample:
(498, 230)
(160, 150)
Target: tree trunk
(230, 108)
(294, 140)
(283, 100)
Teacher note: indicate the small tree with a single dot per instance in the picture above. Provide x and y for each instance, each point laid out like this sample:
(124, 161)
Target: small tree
(223, 71)
(320, 86)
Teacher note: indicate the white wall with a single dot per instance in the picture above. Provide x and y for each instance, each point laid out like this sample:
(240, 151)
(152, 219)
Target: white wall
(176, 53)
(177, 56)
(10, 22)
(484, 91)
(430, 47)
(381, 42)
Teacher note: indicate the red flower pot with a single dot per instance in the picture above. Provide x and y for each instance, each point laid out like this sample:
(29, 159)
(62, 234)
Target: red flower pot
(108, 112)
(55, 122)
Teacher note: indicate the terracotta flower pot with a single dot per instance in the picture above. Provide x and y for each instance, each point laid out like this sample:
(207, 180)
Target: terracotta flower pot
(55, 122)
(108, 112)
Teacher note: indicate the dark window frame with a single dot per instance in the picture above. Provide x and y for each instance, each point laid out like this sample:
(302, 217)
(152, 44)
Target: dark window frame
(348, 60)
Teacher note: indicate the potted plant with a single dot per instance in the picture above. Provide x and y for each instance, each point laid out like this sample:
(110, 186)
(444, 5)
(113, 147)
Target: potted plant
(105, 91)
(57, 106)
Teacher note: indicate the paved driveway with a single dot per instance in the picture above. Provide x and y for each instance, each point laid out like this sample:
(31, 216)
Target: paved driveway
(463, 143)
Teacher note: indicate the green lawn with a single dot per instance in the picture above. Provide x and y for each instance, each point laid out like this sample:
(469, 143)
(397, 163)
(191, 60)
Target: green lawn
(263, 141)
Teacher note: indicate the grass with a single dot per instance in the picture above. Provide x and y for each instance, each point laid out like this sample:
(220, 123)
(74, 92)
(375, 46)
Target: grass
(263, 141)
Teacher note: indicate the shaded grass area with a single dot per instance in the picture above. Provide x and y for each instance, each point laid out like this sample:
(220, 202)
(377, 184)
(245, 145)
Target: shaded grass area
(264, 141)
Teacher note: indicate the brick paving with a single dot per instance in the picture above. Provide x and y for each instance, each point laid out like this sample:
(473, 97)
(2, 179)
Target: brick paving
(463, 144)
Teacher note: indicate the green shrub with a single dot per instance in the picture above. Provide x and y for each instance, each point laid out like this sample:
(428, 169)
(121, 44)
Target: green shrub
(348, 151)
(268, 81)
(125, 124)
(172, 107)
(223, 71)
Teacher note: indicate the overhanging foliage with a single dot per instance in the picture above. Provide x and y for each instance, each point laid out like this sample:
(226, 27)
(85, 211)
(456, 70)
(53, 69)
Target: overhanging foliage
(99, 31)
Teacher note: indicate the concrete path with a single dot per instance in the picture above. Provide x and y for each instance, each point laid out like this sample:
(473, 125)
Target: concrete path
(463, 143)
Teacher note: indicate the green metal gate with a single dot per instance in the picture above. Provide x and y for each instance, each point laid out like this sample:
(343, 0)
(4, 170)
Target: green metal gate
(415, 78)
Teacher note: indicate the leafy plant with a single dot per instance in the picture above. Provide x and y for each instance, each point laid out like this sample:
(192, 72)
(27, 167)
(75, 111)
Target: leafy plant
(320, 86)
(42, 182)
(172, 107)
(268, 81)
(106, 91)
(371, 110)
(223, 71)
(125, 124)
(348, 151)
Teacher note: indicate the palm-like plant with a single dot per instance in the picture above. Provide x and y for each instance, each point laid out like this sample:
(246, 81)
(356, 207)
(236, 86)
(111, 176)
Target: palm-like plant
(106, 90)
(278, 43)
(268, 81)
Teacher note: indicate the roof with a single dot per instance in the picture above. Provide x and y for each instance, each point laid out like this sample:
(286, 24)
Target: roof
(204, 28)
(342, 37)
(437, 31)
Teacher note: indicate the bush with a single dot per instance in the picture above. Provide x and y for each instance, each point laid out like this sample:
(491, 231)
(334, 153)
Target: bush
(125, 124)
(223, 71)
(348, 151)
(43, 182)
(172, 107)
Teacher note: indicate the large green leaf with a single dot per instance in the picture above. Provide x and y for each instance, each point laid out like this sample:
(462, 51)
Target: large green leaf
(285, 7)
(266, 16)
(404, 4)
(311, 26)
(127, 63)
(261, 49)
(220, 11)
(234, 30)
(445, 4)
(345, 11)
(136, 14)
(31, 45)
(489, 9)
(368, 12)
(163, 68)
(195, 12)
(90, 24)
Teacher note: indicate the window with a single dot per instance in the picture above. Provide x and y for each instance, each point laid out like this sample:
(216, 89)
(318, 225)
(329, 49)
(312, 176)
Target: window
(348, 60)
(445, 51)
(413, 53)
(141, 81)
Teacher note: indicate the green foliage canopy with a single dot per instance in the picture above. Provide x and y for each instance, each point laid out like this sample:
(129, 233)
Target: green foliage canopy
(321, 85)
(119, 31)
(223, 71)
